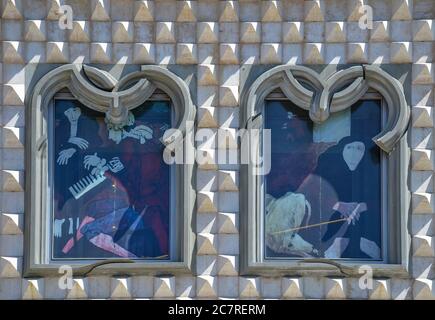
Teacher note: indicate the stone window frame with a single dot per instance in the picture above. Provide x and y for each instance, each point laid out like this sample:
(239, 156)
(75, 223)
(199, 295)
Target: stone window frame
(322, 94)
(99, 91)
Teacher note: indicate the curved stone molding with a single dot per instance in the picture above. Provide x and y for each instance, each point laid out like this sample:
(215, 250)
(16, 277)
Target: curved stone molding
(324, 95)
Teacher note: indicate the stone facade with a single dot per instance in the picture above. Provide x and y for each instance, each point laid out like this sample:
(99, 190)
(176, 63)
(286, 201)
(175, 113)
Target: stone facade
(217, 39)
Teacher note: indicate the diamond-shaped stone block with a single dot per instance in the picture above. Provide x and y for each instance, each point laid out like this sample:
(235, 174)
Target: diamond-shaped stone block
(422, 117)
(291, 288)
(144, 53)
(250, 32)
(165, 32)
(401, 9)
(227, 265)
(423, 246)
(206, 244)
(314, 10)
(57, 52)
(34, 30)
(229, 11)
(335, 288)
(32, 289)
(120, 288)
(249, 287)
(143, 10)
(186, 11)
(186, 53)
(78, 289)
(122, 31)
(423, 289)
(207, 32)
(80, 31)
(101, 52)
(271, 11)
(11, 223)
(422, 159)
(13, 52)
(381, 289)
(292, 32)
(12, 9)
(422, 203)
(401, 52)
(229, 53)
(164, 287)
(206, 286)
(10, 267)
(100, 10)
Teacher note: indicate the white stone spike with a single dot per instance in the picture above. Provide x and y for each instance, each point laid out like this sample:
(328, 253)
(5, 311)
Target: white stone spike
(334, 288)
(293, 32)
(335, 31)
(57, 52)
(14, 94)
(164, 287)
(144, 53)
(143, 10)
(423, 246)
(423, 289)
(271, 53)
(229, 53)
(10, 267)
(78, 290)
(423, 30)
(12, 180)
(122, 31)
(206, 201)
(381, 289)
(422, 116)
(401, 52)
(207, 32)
(80, 32)
(401, 10)
(314, 53)
(229, 11)
(165, 32)
(13, 52)
(101, 52)
(206, 244)
(291, 288)
(422, 159)
(227, 265)
(357, 53)
(186, 53)
(271, 11)
(34, 30)
(120, 288)
(250, 32)
(186, 11)
(32, 289)
(11, 223)
(206, 286)
(380, 31)
(314, 10)
(100, 10)
(228, 96)
(422, 203)
(207, 117)
(249, 287)
(423, 73)
(12, 9)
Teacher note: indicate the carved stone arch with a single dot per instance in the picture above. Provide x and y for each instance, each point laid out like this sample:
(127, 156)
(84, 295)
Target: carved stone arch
(324, 98)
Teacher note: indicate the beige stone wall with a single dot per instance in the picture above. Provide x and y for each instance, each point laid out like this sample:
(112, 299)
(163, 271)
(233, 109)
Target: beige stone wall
(218, 37)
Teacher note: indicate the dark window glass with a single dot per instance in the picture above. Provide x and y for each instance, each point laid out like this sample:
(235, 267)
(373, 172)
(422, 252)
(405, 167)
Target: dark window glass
(323, 194)
(111, 189)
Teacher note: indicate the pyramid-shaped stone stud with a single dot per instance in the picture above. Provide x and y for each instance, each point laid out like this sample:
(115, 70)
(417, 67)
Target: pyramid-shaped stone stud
(9, 267)
(227, 223)
(186, 53)
(165, 32)
(401, 10)
(334, 288)
(32, 289)
(186, 11)
(271, 11)
(12, 9)
(354, 8)
(381, 289)
(206, 286)
(122, 31)
(207, 74)
(335, 31)
(422, 159)
(401, 52)
(423, 246)
(78, 289)
(423, 30)
(143, 10)
(229, 53)
(207, 32)
(101, 52)
(314, 10)
(100, 10)
(228, 180)
(229, 11)
(206, 201)
(423, 289)
(229, 96)
(422, 203)
(250, 32)
(13, 52)
(11, 223)
(54, 11)
(380, 31)
(357, 53)
(423, 73)
(207, 161)
(227, 138)
(120, 288)
(422, 116)
(79, 32)
(12, 180)
(227, 265)
(164, 287)
(144, 53)
(34, 30)
(291, 288)
(207, 117)
(14, 94)
(206, 243)
(249, 287)
(12, 137)
(57, 52)
(314, 53)
(293, 32)
(270, 53)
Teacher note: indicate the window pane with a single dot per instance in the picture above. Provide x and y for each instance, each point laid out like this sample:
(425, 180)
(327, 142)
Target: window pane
(323, 194)
(111, 189)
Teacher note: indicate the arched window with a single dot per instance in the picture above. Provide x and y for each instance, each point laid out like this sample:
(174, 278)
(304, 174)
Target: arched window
(334, 190)
(101, 191)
